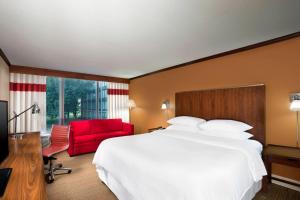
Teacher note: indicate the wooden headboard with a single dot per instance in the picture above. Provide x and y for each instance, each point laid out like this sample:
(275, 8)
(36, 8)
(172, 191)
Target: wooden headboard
(246, 104)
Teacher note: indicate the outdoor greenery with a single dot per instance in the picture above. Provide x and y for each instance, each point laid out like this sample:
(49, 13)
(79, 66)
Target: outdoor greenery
(76, 92)
(52, 98)
(79, 100)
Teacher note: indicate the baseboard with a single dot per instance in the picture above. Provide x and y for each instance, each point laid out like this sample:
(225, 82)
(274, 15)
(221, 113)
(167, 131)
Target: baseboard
(284, 184)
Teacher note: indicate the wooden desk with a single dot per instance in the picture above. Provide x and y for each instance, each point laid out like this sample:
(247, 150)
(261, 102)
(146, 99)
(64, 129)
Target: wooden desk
(27, 179)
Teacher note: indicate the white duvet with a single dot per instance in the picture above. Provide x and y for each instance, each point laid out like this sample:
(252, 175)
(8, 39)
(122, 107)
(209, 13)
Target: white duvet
(173, 165)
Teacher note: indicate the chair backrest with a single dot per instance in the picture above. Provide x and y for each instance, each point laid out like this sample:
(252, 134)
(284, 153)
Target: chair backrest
(60, 135)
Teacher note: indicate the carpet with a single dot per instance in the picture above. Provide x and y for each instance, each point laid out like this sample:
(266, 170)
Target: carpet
(83, 183)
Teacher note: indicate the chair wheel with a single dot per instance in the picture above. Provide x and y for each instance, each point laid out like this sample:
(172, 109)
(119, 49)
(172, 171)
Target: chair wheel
(59, 165)
(69, 171)
(49, 178)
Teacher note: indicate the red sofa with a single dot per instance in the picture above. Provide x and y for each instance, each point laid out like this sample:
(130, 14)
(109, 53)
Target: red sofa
(86, 135)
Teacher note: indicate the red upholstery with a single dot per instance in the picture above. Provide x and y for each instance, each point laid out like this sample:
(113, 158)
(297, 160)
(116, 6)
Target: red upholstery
(59, 140)
(86, 135)
(84, 138)
(82, 128)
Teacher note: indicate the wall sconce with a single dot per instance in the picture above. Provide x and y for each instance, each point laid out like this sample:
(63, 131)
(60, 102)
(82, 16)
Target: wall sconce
(295, 106)
(165, 105)
(131, 104)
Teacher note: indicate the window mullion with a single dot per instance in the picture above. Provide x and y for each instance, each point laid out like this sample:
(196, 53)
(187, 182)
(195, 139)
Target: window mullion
(97, 100)
(61, 100)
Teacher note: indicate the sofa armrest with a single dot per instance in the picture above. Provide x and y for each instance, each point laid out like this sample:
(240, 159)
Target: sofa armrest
(71, 142)
(128, 127)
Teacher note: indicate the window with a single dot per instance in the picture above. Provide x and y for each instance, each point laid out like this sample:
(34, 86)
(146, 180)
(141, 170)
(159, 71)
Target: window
(70, 99)
(102, 100)
(79, 99)
(52, 101)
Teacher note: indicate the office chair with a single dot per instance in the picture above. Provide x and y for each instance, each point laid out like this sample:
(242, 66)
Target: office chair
(59, 142)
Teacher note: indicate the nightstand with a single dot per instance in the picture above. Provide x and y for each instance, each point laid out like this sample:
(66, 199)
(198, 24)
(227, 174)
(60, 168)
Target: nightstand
(155, 129)
(282, 155)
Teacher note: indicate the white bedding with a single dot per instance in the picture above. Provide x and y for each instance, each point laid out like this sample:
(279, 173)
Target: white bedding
(171, 165)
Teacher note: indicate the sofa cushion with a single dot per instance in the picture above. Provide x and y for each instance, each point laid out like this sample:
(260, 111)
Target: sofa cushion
(96, 137)
(84, 138)
(80, 127)
(105, 125)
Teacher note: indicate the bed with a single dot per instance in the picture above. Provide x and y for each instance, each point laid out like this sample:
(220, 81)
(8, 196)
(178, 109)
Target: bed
(172, 164)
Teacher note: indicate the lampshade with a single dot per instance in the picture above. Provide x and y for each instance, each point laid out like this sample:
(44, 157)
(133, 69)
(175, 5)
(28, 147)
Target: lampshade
(165, 105)
(295, 105)
(131, 104)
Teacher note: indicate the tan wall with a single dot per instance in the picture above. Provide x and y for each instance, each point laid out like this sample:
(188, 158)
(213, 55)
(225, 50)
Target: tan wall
(276, 65)
(4, 80)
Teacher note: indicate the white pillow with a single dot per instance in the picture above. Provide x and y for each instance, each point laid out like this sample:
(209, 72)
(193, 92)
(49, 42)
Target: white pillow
(183, 128)
(228, 134)
(225, 125)
(186, 121)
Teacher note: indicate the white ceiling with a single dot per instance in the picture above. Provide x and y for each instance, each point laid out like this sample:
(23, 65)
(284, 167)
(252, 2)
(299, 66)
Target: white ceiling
(127, 38)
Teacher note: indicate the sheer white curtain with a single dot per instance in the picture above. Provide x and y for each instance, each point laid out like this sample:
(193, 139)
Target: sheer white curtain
(118, 101)
(26, 90)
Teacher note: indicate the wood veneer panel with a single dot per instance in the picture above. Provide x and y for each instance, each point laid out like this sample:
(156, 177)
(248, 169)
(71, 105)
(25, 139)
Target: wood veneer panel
(246, 104)
(27, 178)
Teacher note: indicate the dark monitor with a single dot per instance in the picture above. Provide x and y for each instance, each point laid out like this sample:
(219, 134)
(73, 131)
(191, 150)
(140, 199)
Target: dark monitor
(3, 130)
(4, 173)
